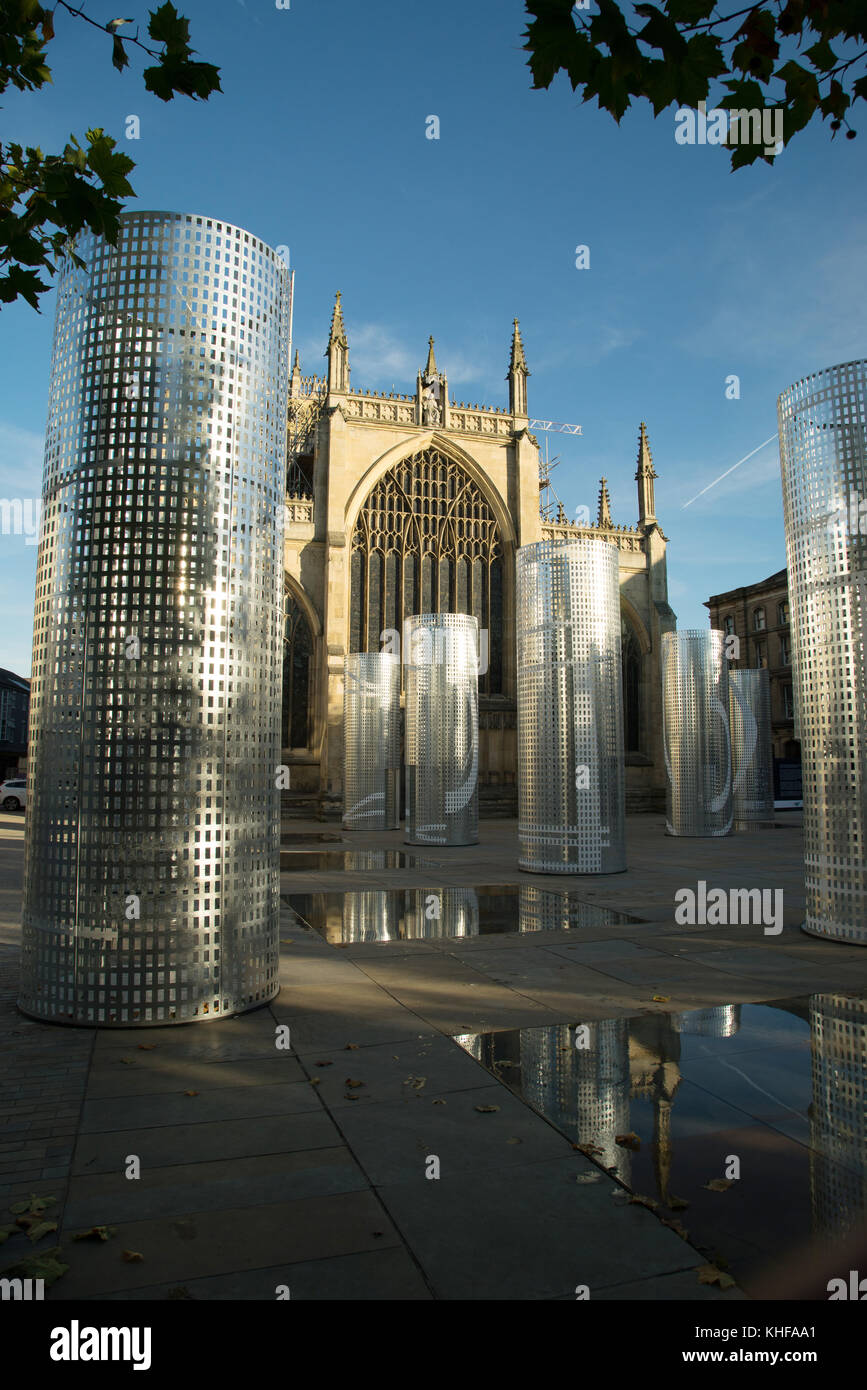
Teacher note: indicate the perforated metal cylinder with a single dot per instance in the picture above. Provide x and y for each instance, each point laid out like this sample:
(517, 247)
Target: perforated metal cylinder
(752, 749)
(151, 889)
(371, 734)
(571, 782)
(695, 702)
(442, 729)
(823, 453)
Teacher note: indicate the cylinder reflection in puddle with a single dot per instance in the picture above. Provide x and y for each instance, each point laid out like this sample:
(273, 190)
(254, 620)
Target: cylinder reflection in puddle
(724, 1021)
(838, 1115)
(431, 913)
(578, 1076)
(571, 787)
(372, 915)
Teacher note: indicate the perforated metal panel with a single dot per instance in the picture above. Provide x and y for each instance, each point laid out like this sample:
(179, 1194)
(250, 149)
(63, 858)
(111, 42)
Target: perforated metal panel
(695, 700)
(442, 729)
(571, 783)
(371, 733)
(838, 1116)
(152, 863)
(823, 452)
(752, 749)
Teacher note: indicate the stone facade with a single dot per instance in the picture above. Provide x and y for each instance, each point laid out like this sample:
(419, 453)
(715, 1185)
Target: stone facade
(758, 615)
(409, 503)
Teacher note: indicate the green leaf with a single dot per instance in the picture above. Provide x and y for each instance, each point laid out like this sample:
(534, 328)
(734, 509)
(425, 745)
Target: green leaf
(822, 56)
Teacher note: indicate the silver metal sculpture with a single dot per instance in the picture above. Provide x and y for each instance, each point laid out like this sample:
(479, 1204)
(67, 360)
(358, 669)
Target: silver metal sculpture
(823, 454)
(752, 749)
(696, 741)
(371, 732)
(571, 783)
(442, 729)
(152, 863)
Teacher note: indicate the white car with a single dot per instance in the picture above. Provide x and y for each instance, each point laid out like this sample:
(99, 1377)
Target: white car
(13, 794)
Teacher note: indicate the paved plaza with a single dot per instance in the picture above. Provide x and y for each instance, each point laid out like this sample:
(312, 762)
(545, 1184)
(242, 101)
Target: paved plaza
(311, 1169)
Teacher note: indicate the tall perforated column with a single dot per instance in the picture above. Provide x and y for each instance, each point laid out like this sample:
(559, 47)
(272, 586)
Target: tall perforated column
(151, 890)
(371, 747)
(823, 452)
(752, 749)
(571, 784)
(442, 729)
(697, 743)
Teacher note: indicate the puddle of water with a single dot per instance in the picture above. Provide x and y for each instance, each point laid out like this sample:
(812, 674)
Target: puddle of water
(775, 1092)
(349, 861)
(416, 914)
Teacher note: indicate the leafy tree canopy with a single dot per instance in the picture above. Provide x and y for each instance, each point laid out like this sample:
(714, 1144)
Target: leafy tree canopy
(674, 51)
(45, 199)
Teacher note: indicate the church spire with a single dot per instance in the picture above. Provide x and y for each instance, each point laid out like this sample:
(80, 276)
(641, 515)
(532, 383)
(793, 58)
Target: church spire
(603, 514)
(338, 351)
(295, 377)
(431, 368)
(644, 476)
(517, 377)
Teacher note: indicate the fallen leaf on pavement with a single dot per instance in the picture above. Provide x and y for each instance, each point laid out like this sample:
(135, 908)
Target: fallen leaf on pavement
(628, 1141)
(40, 1229)
(661, 998)
(719, 1184)
(351, 1047)
(677, 1203)
(131, 1256)
(146, 1047)
(191, 1093)
(487, 1109)
(641, 1201)
(350, 1081)
(96, 1233)
(709, 1274)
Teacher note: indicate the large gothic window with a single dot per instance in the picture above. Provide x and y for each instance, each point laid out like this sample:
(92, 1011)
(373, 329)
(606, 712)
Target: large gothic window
(296, 675)
(426, 542)
(631, 657)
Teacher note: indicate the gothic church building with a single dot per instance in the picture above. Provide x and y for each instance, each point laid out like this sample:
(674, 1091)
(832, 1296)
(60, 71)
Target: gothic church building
(401, 504)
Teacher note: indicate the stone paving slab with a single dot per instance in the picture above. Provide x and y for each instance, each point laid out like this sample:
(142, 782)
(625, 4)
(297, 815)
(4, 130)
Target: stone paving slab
(175, 1249)
(389, 1275)
(107, 1198)
(528, 1231)
(158, 1145)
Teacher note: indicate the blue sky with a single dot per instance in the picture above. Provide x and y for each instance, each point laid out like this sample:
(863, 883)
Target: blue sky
(319, 143)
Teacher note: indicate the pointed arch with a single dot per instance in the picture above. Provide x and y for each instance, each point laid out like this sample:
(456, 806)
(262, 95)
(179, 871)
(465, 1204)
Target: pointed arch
(301, 627)
(426, 537)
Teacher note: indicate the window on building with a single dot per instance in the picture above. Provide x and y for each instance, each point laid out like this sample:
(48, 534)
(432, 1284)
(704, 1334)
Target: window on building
(759, 619)
(426, 541)
(783, 612)
(761, 654)
(297, 645)
(788, 702)
(631, 660)
(728, 624)
(785, 651)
